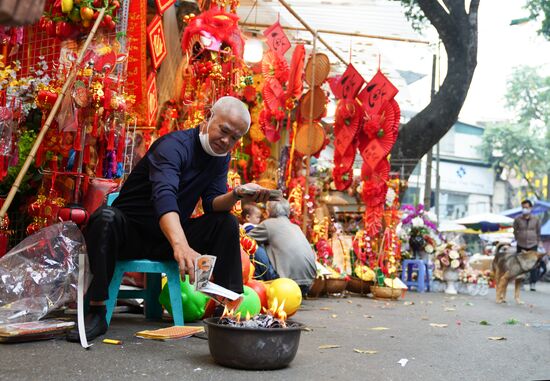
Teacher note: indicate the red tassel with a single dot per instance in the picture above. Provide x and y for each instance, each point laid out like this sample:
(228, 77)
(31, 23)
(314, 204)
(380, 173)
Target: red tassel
(94, 126)
(78, 140)
(53, 164)
(39, 156)
(99, 167)
(111, 140)
(86, 157)
(121, 145)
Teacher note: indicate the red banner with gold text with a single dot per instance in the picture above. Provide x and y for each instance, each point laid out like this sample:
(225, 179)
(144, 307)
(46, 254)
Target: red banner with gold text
(136, 83)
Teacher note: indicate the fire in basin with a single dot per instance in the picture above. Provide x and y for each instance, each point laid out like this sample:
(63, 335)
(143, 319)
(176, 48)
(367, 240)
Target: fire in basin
(264, 341)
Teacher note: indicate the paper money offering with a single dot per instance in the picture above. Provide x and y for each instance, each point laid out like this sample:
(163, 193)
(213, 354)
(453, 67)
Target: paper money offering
(204, 266)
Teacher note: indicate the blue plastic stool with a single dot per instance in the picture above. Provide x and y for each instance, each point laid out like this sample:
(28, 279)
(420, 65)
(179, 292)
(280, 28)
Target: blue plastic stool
(153, 309)
(154, 269)
(422, 282)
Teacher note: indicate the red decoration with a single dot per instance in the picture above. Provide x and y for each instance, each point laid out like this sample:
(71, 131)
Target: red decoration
(152, 99)
(378, 91)
(277, 39)
(295, 85)
(157, 43)
(163, 5)
(348, 85)
(136, 83)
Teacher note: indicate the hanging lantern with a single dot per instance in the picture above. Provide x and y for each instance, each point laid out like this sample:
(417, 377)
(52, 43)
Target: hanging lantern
(253, 50)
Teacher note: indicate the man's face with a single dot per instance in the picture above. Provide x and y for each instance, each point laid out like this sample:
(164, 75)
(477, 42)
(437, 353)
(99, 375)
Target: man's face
(224, 131)
(526, 207)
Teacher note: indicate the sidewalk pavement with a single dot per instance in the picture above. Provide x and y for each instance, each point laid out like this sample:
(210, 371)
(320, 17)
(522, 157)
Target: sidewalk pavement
(456, 348)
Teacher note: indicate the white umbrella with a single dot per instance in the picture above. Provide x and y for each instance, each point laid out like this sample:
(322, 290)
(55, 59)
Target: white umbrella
(449, 226)
(485, 217)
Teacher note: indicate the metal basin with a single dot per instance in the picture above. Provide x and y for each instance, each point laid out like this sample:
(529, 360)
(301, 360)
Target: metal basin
(252, 348)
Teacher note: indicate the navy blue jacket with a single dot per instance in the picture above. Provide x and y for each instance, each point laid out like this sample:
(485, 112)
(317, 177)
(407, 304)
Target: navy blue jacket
(171, 177)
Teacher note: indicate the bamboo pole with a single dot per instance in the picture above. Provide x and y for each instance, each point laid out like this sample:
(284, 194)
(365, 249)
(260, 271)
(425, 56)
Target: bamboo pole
(338, 33)
(306, 25)
(51, 116)
(310, 137)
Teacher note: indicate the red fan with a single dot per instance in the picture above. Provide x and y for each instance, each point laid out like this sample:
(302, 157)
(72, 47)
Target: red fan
(295, 85)
(274, 66)
(271, 99)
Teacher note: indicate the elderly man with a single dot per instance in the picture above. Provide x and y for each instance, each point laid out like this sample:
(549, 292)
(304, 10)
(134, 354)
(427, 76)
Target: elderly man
(150, 218)
(287, 247)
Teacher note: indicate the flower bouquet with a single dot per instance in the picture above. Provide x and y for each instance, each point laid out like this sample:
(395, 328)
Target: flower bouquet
(450, 256)
(418, 230)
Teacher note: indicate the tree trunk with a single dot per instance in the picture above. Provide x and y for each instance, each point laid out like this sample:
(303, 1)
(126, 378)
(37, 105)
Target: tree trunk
(458, 32)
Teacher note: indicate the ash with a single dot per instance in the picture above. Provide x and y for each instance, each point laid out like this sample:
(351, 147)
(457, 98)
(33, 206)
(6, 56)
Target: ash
(258, 321)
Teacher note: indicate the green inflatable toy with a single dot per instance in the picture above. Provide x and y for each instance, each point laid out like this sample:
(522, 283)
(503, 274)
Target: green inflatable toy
(194, 302)
(251, 302)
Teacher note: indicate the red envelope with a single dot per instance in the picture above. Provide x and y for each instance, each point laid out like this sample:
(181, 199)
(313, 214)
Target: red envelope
(277, 39)
(349, 84)
(378, 91)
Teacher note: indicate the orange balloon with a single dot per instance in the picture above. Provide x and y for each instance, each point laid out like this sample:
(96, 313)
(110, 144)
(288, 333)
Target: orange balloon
(245, 261)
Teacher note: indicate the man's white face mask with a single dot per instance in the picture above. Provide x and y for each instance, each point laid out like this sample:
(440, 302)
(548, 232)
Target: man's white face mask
(205, 143)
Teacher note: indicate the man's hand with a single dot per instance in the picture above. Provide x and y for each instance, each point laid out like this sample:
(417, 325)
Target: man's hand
(260, 194)
(186, 261)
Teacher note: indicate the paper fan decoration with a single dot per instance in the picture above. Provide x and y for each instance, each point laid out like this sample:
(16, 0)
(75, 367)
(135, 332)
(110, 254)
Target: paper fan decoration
(274, 66)
(271, 94)
(295, 85)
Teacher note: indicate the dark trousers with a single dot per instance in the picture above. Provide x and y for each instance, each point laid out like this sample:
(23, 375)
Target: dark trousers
(110, 236)
(264, 269)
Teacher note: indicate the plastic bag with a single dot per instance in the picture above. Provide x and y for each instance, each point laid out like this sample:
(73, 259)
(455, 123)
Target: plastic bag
(40, 274)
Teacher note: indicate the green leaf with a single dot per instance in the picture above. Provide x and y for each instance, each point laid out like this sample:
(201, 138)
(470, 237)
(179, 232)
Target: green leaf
(511, 321)
(484, 322)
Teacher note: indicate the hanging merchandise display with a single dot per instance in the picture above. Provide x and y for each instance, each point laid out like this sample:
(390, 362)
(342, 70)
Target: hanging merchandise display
(213, 47)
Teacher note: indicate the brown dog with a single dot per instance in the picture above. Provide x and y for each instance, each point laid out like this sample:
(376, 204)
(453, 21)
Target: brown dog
(509, 265)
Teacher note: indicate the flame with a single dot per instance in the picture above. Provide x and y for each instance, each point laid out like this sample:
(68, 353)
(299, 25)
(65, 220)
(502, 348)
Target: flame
(238, 317)
(247, 315)
(277, 310)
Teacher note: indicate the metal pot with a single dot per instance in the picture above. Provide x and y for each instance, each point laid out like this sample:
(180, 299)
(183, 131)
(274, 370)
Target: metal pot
(252, 348)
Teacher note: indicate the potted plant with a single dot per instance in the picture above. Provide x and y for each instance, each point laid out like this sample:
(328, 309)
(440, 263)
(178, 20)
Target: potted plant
(450, 258)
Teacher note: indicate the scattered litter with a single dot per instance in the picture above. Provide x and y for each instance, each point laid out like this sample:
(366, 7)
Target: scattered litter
(325, 309)
(496, 338)
(437, 325)
(447, 309)
(511, 321)
(329, 346)
(403, 362)
(307, 329)
(424, 318)
(365, 351)
(379, 329)
(334, 316)
(408, 303)
(458, 322)
(111, 341)
(469, 304)
(484, 322)
(197, 369)
(368, 316)
(350, 301)
(429, 302)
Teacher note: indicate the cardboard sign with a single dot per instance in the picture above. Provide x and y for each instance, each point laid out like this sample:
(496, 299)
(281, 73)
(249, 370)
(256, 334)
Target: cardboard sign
(155, 39)
(152, 99)
(349, 84)
(378, 90)
(277, 39)
(163, 5)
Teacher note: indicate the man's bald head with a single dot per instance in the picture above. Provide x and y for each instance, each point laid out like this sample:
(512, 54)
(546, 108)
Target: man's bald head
(233, 106)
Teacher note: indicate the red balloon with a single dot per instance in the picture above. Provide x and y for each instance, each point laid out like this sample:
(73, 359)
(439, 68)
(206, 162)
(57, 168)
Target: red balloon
(260, 289)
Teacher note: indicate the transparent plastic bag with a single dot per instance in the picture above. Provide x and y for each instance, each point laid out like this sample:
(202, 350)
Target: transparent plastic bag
(40, 274)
